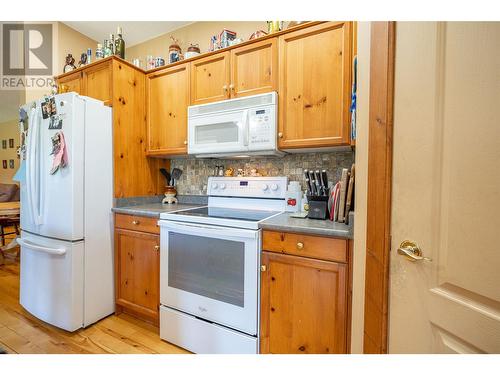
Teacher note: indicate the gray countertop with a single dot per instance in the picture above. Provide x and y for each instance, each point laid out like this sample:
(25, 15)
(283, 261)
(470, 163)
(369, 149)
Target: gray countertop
(152, 209)
(283, 222)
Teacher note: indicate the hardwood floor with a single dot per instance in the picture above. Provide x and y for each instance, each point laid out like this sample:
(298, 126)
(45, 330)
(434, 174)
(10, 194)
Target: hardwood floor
(20, 332)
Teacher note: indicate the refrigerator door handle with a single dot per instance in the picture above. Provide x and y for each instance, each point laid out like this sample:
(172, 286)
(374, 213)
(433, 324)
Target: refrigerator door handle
(33, 170)
(29, 166)
(44, 249)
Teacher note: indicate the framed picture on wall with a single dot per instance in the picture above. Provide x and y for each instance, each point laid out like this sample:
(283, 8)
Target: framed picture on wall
(11, 143)
(4, 143)
(4, 164)
(11, 163)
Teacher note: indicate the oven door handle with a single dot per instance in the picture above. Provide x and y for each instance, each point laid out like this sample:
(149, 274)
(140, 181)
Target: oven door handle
(207, 229)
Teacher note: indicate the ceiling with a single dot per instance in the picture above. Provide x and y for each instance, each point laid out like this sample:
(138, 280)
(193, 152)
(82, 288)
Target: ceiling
(134, 32)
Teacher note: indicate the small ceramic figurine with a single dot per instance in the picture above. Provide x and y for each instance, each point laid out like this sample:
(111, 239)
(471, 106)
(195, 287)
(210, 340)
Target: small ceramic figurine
(229, 172)
(170, 194)
(83, 60)
(70, 63)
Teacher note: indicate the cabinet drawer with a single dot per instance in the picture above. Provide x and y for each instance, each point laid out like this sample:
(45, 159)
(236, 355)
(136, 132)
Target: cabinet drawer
(137, 223)
(326, 248)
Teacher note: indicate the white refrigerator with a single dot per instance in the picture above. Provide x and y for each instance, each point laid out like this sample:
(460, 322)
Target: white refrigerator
(66, 271)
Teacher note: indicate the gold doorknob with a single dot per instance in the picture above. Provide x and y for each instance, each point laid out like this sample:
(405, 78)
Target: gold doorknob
(135, 222)
(280, 135)
(411, 251)
(263, 268)
(300, 245)
(185, 142)
(157, 247)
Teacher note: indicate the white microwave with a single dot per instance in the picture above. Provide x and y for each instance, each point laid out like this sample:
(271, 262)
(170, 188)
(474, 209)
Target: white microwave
(236, 127)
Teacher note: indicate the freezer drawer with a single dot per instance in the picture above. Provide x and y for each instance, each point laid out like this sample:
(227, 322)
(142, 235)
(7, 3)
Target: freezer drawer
(52, 282)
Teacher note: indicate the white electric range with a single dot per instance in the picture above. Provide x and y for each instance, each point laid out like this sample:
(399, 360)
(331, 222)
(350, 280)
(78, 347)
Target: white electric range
(209, 265)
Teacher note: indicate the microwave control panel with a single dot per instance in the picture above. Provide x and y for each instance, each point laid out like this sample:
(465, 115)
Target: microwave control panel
(262, 123)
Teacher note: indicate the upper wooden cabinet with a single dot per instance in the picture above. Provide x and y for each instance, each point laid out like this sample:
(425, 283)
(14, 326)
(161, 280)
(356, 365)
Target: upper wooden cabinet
(96, 81)
(254, 68)
(167, 99)
(315, 86)
(210, 79)
(303, 305)
(71, 83)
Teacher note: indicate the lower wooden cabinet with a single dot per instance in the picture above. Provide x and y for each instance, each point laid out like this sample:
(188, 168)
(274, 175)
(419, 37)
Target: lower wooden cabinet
(304, 305)
(137, 272)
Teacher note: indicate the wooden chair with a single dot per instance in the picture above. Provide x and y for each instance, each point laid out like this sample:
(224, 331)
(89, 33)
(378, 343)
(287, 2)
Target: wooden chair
(9, 217)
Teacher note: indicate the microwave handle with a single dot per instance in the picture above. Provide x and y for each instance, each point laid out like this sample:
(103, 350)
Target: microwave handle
(246, 134)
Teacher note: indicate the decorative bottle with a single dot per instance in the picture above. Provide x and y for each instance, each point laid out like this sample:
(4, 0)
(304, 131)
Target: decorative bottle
(112, 43)
(119, 43)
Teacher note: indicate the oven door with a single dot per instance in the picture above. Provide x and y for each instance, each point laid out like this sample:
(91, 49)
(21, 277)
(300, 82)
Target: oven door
(211, 272)
(218, 133)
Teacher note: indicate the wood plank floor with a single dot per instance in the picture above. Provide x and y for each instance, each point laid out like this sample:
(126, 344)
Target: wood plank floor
(21, 332)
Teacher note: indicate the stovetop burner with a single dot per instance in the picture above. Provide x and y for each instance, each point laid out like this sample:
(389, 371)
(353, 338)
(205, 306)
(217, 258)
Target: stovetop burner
(228, 213)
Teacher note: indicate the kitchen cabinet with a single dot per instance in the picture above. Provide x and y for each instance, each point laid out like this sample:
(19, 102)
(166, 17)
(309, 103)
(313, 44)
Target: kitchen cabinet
(254, 68)
(314, 86)
(137, 267)
(247, 70)
(167, 99)
(96, 81)
(305, 301)
(210, 78)
(71, 83)
(122, 86)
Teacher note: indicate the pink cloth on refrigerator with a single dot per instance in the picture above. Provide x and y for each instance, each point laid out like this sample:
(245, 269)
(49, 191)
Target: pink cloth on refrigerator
(61, 157)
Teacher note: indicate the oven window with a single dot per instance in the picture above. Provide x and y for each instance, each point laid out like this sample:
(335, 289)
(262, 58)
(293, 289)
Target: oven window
(216, 133)
(209, 267)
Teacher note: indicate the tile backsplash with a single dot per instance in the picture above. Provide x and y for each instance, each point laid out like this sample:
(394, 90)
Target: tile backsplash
(196, 171)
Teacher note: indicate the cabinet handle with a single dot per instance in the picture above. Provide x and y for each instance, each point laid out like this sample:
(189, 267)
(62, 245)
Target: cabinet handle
(135, 222)
(263, 268)
(231, 86)
(280, 134)
(157, 247)
(300, 245)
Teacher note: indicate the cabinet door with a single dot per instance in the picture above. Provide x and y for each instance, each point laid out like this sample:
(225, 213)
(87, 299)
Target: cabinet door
(137, 271)
(315, 86)
(303, 305)
(70, 83)
(167, 99)
(97, 82)
(210, 78)
(254, 68)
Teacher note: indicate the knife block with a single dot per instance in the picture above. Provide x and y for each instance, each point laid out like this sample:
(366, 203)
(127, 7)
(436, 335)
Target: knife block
(318, 207)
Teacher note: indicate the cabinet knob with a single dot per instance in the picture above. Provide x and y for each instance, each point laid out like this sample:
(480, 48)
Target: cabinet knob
(263, 268)
(231, 86)
(280, 134)
(185, 142)
(135, 222)
(300, 245)
(157, 247)
(224, 87)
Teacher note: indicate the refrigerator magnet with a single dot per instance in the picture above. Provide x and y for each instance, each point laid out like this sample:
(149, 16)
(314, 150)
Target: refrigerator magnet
(11, 143)
(4, 164)
(55, 123)
(4, 143)
(11, 163)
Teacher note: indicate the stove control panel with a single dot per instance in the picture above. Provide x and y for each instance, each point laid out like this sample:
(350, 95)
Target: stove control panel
(248, 187)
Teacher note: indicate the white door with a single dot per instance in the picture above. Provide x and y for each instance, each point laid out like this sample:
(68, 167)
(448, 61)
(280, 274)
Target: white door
(211, 272)
(446, 188)
(51, 282)
(52, 204)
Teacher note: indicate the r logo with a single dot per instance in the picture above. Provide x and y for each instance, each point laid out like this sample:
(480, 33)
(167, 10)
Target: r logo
(27, 49)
